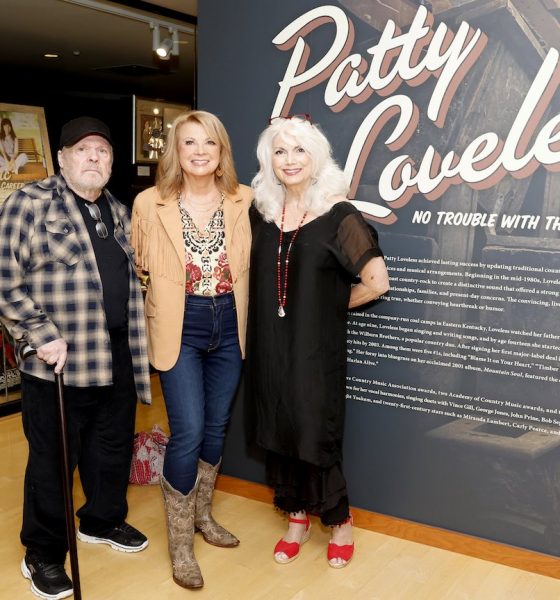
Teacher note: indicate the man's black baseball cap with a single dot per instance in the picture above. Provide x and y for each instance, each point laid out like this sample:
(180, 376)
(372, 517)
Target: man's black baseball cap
(79, 128)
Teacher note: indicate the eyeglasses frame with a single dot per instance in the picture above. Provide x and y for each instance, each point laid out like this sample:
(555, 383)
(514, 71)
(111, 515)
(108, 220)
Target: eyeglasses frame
(100, 227)
(302, 117)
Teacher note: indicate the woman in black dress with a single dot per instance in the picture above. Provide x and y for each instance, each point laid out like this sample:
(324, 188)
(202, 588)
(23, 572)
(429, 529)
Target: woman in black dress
(309, 247)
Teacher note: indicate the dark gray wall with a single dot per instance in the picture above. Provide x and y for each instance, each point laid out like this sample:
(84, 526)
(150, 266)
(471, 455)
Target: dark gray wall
(485, 476)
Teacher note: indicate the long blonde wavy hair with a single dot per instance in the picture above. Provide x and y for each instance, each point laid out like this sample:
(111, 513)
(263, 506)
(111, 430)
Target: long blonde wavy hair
(169, 176)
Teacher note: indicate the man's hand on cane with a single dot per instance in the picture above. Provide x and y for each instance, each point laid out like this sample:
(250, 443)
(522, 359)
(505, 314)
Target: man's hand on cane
(54, 353)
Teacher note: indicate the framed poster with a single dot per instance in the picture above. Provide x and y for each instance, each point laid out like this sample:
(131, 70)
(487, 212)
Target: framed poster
(152, 118)
(25, 153)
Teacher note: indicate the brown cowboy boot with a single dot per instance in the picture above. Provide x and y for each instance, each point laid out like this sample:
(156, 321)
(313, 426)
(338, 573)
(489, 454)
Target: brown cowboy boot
(204, 522)
(180, 530)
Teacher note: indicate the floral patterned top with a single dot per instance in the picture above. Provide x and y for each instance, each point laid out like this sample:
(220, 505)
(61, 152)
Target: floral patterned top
(208, 272)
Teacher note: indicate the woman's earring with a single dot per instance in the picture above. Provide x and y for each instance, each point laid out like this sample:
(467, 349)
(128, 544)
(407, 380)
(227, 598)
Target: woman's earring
(314, 180)
(219, 171)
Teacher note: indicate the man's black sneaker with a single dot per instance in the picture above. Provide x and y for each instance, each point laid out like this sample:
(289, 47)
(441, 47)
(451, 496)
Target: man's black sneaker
(47, 580)
(123, 537)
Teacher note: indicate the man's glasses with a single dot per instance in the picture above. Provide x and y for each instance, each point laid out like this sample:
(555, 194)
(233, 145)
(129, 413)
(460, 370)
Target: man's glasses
(303, 118)
(100, 227)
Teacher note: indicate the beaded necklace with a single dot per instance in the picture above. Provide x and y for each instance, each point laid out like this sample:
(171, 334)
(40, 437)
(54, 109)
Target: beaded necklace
(283, 288)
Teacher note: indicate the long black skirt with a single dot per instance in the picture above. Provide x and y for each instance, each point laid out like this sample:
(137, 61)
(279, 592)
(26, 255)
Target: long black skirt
(299, 485)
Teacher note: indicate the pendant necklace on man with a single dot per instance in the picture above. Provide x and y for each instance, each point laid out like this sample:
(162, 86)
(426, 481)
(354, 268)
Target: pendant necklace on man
(282, 286)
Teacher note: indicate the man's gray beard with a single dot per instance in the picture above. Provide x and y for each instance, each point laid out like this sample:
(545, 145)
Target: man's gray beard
(94, 190)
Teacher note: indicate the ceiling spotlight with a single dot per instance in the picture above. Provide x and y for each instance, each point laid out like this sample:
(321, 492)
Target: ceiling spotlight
(169, 46)
(164, 49)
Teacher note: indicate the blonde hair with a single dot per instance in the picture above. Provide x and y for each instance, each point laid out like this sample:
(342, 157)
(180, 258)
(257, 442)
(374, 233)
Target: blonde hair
(329, 181)
(169, 177)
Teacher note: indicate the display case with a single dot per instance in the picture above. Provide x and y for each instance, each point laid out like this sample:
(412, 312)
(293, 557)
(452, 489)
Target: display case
(10, 379)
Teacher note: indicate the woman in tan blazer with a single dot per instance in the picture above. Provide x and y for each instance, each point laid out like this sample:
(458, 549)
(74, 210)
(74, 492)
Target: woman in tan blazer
(192, 237)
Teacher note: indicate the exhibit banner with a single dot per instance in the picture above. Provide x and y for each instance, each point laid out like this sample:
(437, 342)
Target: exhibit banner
(446, 120)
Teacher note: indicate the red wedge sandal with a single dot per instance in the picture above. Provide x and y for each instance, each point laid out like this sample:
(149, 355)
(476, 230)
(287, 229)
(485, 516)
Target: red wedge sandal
(291, 549)
(345, 552)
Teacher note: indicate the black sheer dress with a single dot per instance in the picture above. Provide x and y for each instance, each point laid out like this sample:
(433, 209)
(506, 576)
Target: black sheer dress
(296, 365)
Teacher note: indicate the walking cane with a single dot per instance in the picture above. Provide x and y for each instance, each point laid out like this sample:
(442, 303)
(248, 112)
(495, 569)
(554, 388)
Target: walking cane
(66, 475)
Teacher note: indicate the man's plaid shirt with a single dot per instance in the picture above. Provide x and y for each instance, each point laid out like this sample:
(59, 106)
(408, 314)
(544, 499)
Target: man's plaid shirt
(50, 286)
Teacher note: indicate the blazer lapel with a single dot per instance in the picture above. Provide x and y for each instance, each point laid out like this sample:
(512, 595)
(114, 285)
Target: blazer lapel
(170, 217)
(233, 207)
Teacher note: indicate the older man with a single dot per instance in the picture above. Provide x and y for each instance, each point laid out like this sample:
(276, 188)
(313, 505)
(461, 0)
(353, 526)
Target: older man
(68, 288)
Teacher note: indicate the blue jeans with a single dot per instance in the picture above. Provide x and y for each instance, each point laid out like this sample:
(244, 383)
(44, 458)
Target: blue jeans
(200, 387)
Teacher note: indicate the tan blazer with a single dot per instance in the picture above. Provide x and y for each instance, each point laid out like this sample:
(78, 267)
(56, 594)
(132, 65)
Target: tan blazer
(157, 239)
